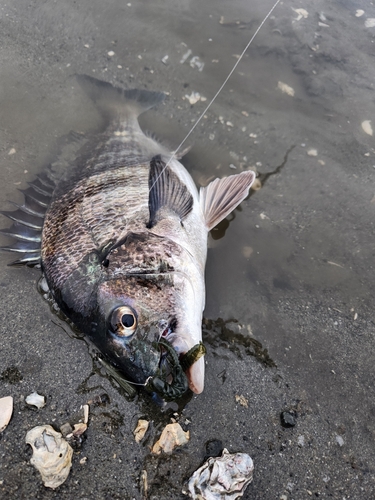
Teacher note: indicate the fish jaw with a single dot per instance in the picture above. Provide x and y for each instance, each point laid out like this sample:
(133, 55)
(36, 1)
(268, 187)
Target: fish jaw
(195, 375)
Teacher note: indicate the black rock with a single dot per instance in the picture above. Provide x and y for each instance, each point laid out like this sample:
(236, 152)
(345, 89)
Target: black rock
(214, 448)
(288, 419)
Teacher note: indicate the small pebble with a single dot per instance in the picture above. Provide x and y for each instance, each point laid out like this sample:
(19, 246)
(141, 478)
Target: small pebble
(287, 419)
(11, 152)
(312, 152)
(339, 440)
(111, 53)
(214, 448)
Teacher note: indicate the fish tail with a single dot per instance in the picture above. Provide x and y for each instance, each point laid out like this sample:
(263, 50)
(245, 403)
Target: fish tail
(115, 102)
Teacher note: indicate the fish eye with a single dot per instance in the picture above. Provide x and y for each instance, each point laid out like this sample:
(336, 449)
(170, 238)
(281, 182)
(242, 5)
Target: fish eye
(123, 321)
(128, 320)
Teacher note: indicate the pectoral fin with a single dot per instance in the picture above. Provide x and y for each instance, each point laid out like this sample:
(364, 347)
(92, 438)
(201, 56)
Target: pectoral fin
(222, 196)
(166, 192)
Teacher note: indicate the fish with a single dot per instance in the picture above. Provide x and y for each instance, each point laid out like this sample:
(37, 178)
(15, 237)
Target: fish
(121, 238)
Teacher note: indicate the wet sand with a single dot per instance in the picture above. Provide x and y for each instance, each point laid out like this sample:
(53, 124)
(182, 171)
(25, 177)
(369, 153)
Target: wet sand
(291, 274)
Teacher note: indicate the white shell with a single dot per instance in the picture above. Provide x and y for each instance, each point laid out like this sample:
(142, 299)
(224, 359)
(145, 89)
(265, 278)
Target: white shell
(52, 455)
(6, 410)
(222, 478)
(36, 399)
(312, 152)
(287, 89)
(366, 127)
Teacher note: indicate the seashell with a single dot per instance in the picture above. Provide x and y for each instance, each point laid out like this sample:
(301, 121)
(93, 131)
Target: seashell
(287, 89)
(79, 429)
(222, 478)
(52, 455)
(312, 152)
(36, 399)
(6, 410)
(140, 431)
(85, 413)
(172, 436)
(301, 14)
(193, 98)
(366, 127)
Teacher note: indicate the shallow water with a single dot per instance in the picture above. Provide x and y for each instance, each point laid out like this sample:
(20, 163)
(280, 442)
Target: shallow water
(294, 267)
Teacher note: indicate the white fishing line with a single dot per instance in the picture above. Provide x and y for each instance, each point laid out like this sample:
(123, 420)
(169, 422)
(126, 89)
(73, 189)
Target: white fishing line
(217, 93)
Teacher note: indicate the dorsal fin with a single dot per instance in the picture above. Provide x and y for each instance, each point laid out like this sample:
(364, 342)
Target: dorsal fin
(166, 191)
(222, 196)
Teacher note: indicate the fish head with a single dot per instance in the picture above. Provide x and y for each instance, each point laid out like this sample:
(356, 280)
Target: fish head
(148, 331)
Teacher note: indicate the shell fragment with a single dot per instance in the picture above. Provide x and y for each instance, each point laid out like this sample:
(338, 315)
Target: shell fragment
(36, 399)
(172, 436)
(140, 431)
(286, 88)
(301, 14)
(366, 127)
(6, 410)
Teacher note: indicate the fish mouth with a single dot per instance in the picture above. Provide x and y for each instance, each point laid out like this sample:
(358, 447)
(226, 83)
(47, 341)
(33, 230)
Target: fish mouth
(180, 368)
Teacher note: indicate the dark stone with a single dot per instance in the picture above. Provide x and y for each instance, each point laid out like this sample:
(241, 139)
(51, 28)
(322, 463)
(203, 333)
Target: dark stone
(214, 448)
(288, 419)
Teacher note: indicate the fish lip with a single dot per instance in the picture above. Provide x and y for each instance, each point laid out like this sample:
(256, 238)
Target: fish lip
(195, 372)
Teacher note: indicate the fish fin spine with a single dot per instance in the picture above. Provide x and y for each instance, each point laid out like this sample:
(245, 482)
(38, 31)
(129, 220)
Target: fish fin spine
(166, 191)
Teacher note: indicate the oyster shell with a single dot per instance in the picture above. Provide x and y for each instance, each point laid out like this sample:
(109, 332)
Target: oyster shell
(52, 455)
(6, 410)
(222, 478)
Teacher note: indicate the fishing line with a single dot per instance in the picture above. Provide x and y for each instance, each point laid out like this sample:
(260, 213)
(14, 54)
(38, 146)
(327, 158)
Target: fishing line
(217, 93)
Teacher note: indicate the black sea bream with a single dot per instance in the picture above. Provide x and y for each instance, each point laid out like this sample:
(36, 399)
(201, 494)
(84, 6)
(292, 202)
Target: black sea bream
(124, 243)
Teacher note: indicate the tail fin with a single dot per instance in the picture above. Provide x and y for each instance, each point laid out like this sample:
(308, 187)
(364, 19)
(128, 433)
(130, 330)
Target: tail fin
(112, 101)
